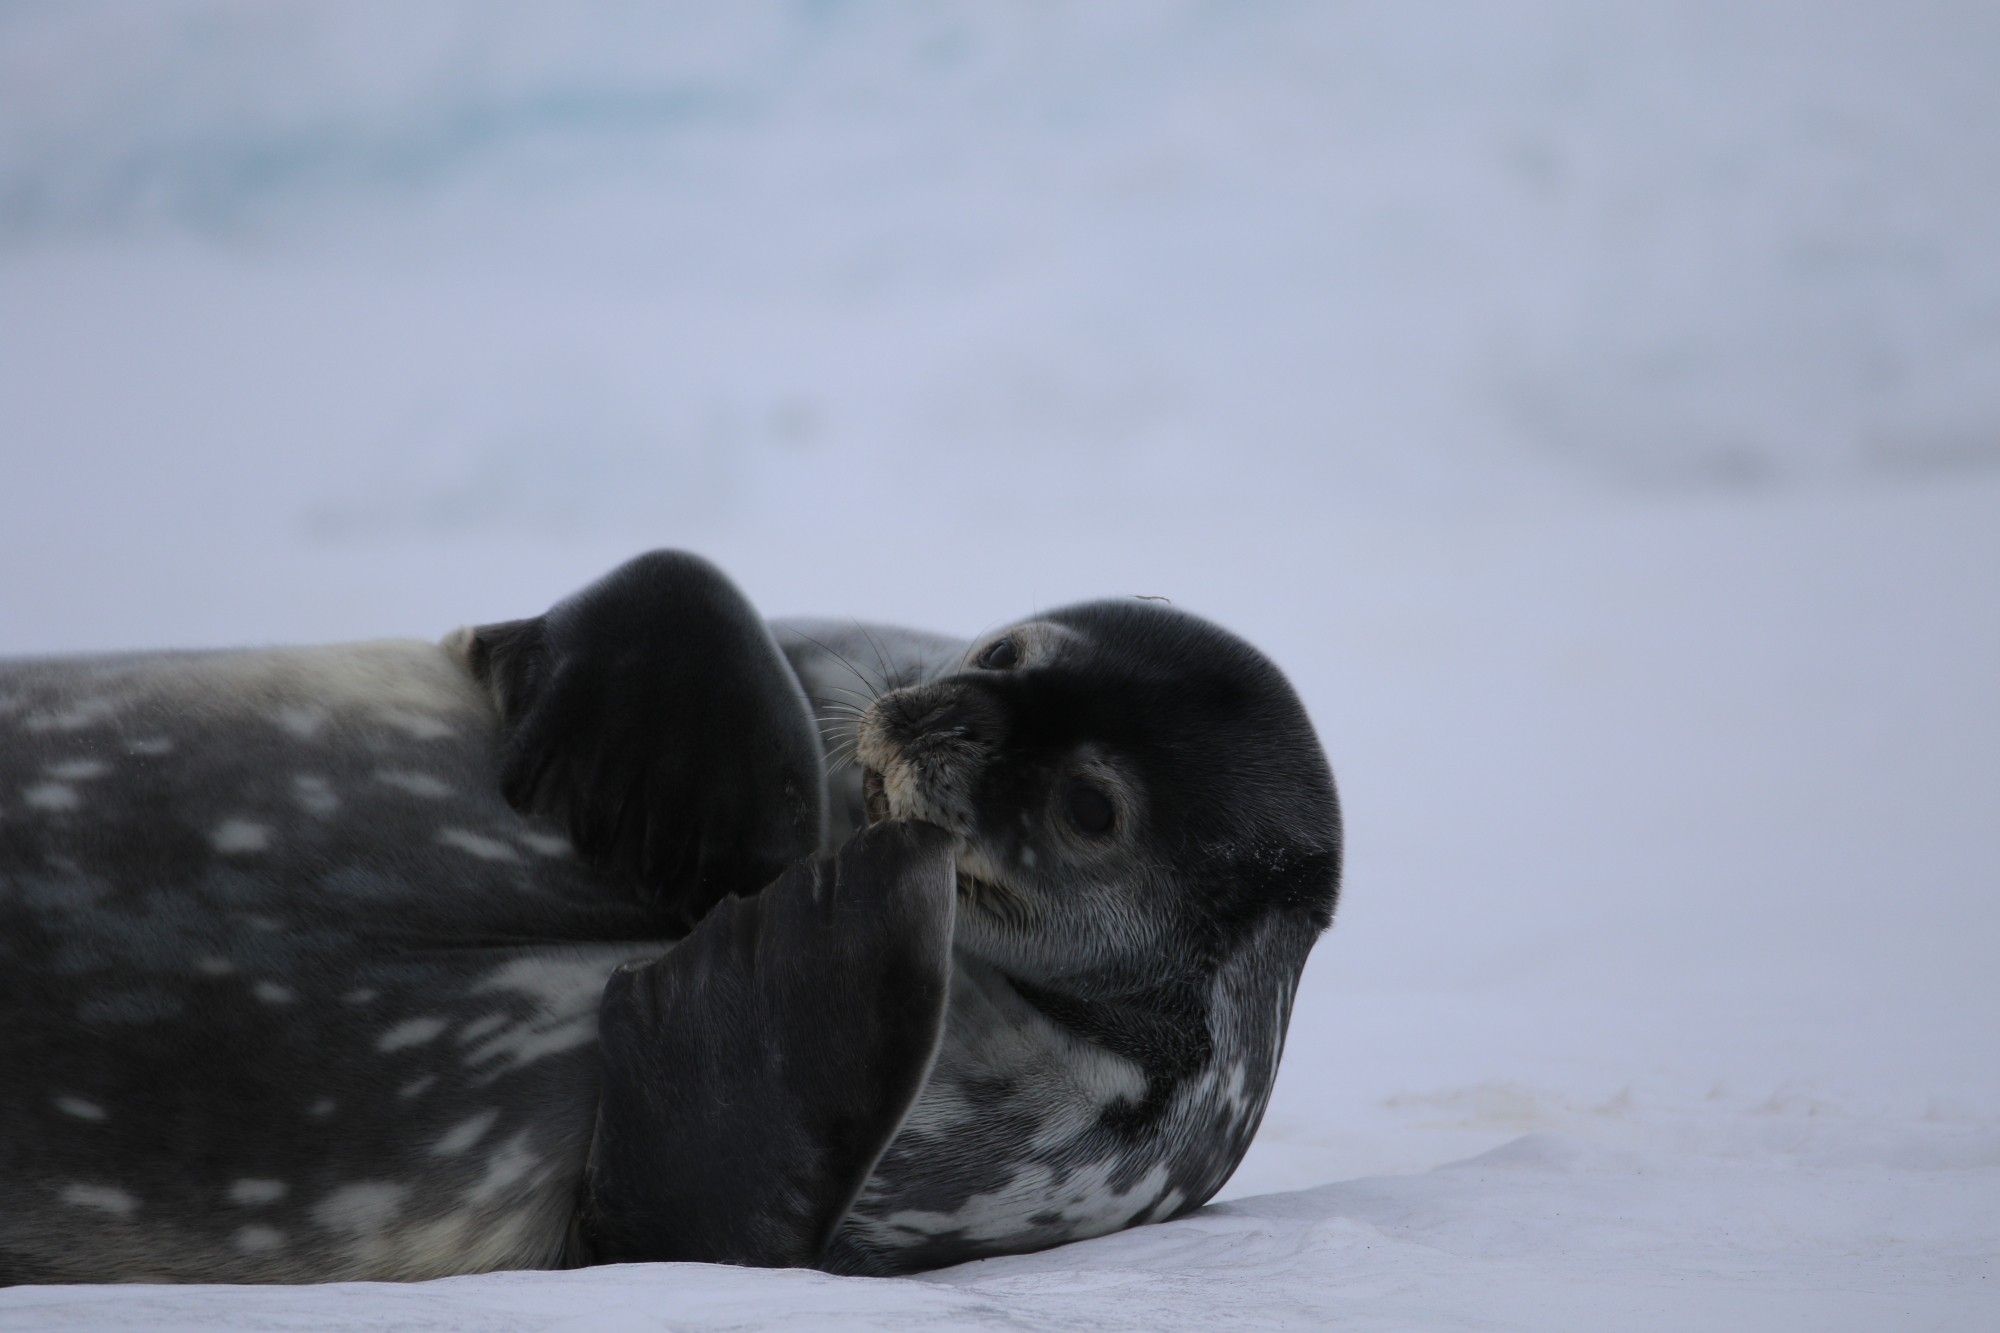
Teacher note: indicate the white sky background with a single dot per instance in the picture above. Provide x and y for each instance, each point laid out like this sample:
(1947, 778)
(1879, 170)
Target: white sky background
(1595, 408)
(350, 277)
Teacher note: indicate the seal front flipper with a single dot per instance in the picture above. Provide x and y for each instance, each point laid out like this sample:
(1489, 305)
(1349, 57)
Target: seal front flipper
(754, 1075)
(653, 714)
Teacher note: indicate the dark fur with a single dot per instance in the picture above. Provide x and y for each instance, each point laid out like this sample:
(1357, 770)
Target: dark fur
(809, 1078)
(813, 1009)
(1171, 950)
(654, 716)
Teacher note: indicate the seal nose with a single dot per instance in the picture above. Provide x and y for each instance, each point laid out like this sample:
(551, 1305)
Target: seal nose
(944, 714)
(946, 717)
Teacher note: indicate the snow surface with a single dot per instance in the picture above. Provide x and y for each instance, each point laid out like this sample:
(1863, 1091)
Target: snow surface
(1594, 408)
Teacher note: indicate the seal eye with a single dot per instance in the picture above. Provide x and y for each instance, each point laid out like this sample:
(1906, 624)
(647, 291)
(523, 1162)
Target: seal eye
(1000, 655)
(1088, 808)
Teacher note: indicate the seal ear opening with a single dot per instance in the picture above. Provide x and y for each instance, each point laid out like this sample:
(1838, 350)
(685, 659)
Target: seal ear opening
(510, 658)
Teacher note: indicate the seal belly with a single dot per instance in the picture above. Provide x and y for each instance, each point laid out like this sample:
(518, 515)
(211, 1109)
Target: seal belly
(287, 992)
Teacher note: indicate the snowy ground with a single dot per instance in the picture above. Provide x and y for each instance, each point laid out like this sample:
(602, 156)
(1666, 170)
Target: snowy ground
(1596, 411)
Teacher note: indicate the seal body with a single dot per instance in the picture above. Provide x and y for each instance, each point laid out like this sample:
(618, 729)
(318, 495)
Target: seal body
(401, 960)
(289, 991)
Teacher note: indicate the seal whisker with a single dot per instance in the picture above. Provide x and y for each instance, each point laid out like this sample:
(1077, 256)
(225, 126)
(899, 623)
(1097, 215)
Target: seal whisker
(854, 701)
(875, 691)
(890, 679)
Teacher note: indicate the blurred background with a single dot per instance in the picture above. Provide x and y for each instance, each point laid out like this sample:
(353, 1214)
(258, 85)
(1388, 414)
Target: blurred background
(1595, 408)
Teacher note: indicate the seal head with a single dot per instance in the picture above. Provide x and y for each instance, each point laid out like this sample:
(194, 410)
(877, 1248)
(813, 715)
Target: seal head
(1149, 844)
(1135, 788)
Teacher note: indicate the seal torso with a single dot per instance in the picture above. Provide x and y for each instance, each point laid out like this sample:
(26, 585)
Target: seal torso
(290, 990)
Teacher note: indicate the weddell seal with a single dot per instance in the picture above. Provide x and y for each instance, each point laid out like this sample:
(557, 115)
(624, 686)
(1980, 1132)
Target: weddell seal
(643, 930)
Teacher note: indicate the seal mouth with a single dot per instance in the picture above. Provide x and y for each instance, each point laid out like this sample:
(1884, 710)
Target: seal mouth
(874, 796)
(994, 899)
(978, 888)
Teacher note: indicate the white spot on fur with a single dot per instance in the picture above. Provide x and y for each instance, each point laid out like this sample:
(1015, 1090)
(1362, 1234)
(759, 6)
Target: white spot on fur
(213, 966)
(509, 1165)
(464, 1134)
(483, 1027)
(305, 723)
(564, 986)
(234, 836)
(417, 1087)
(566, 995)
(360, 995)
(257, 1239)
(80, 1108)
(101, 1197)
(420, 726)
(414, 1032)
(481, 846)
(416, 784)
(314, 794)
(368, 1206)
(544, 844)
(51, 796)
(528, 1042)
(1232, 1088)
(86, 713)
(270, 992)
(250, 1192)
(150, 746)
(1088, 1203)
(321, 1109)
(78, 770)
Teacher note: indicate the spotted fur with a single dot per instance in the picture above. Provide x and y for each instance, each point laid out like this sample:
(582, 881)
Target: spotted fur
(292, 993)
(289, 992)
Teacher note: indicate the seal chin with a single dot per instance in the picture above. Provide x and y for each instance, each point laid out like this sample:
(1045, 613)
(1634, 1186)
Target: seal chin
(928, 776)
(982, 893)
